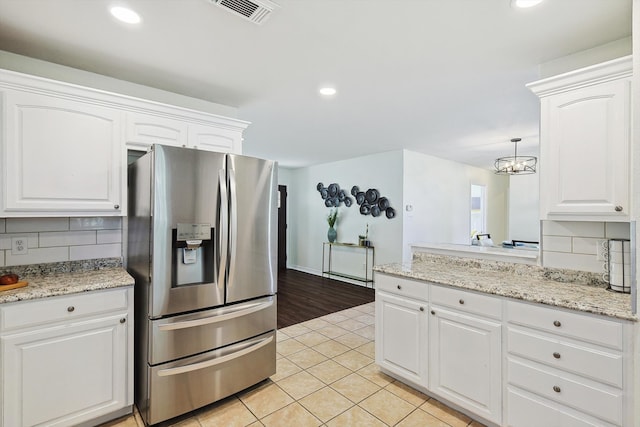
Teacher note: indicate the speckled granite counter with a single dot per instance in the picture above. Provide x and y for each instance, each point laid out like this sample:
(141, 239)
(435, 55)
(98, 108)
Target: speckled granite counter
(48, 280)
(561, 288)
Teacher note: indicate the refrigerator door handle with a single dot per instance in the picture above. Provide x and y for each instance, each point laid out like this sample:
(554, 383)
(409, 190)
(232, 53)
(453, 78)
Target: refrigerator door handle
(223, 226)
(232, 314)
(233, 225)
(215, 361)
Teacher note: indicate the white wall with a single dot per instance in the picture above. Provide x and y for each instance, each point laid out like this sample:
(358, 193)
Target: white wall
(524, 208)
(36, 67)
(440, 193)
(307, 222)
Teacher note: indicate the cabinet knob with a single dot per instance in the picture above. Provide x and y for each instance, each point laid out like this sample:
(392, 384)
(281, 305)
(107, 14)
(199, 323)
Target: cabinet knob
(421, 308)
(556, 355)
(123, 320)
(461, 301)
(70, 308)
(557, 323)
(618, 208)
(433, 312)
(556, 389)
(116, 207)
(399, 287)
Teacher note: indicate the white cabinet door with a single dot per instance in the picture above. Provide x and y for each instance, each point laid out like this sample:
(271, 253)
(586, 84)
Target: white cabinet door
(465, 361)
(144, 130)
(65, 375)
(213, 138)
(62, 157)
(586, 154)
(402, 337)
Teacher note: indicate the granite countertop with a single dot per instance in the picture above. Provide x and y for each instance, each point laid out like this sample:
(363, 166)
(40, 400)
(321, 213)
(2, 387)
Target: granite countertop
(580, 291)
(48, 280)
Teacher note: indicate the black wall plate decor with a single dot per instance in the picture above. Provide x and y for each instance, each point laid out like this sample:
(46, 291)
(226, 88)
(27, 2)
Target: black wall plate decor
(333, 196)
(372, 203)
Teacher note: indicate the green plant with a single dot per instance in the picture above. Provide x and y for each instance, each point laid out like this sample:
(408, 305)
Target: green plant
(332, 218)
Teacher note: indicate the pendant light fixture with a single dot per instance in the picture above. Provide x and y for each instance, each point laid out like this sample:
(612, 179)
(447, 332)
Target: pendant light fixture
(515, 165)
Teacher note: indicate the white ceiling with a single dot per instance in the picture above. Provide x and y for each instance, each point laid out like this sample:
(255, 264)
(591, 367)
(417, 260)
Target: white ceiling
(443, 77)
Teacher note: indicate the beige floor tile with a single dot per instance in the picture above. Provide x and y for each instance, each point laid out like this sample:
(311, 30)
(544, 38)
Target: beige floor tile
(292, 415)
(372, 373)
(353, 360)
(407, 393)
(368, 349)
(419, 418)
(350, 312)
(475, 423)
(444, 413)
(326, 403)
(281, 336)
(256, 424)
(331, 348)
(289, 346)
(312, 338)
(230, 413)
(351, 325)
(307, 358)
(265, 399)
(295, 330)
(355, 388)
(356, 417)
(128, 421)
(334, 317)
(352, 340)
(136, 413)
(367, 319)
(369, 308)
(284, 368)
(300, 385)
(189, 422)
(369, 332)
(315, 324)
(387, 407)
(333, 331)
(329, 371)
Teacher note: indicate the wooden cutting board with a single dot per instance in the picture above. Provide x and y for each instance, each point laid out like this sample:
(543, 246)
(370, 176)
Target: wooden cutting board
(13, 286)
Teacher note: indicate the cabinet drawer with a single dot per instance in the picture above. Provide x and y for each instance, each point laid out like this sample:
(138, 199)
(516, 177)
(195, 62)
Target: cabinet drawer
(600, 365)
(404, 287)
(465, 301)
(583, 327)
(63, 308)
(602, 402)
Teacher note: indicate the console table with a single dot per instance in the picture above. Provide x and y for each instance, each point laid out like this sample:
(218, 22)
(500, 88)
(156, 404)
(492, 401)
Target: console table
(327, 267)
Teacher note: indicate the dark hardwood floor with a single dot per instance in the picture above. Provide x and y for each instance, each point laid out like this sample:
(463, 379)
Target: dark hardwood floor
(304, 296)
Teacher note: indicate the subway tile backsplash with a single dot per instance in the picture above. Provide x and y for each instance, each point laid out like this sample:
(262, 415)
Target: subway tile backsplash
(573, 244)
(61, 239)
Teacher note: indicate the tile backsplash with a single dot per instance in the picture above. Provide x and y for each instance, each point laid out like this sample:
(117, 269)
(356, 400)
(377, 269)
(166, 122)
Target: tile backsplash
(60, 239)
(573, 244)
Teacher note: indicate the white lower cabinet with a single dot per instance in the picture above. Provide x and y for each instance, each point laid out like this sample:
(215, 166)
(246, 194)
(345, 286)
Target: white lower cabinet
(507, 362)
(73, 370)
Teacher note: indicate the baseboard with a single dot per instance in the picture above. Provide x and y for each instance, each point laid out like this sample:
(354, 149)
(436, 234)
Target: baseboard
(338, 278)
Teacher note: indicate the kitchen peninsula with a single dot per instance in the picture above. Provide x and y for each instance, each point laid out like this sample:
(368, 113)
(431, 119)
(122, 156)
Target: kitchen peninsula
(507, 343)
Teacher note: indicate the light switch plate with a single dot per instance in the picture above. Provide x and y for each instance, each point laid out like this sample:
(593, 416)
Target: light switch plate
(19, 245)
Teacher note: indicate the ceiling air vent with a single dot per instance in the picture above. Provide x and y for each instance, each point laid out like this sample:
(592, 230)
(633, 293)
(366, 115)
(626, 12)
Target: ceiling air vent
(255, 11)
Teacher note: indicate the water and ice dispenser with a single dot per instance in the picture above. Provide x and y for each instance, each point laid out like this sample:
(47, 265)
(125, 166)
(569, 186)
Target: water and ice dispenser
(193, 254)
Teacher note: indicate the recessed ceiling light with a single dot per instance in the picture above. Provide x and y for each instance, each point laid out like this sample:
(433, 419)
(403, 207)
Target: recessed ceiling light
(328, 91)
(523, 4)
(125, 15)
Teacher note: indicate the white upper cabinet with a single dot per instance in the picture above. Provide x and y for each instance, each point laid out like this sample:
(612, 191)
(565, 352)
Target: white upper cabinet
(143, 130)
(585, 157)
(60, 156)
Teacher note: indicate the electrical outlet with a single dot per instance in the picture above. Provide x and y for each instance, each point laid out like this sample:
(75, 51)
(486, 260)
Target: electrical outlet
(19, 246)
(601, 249)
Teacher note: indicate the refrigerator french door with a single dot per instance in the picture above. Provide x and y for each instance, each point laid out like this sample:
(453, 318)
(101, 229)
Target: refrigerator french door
(202, 248)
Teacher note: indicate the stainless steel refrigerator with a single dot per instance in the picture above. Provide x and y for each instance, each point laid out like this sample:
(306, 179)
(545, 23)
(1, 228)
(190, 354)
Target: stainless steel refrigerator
(202, 247)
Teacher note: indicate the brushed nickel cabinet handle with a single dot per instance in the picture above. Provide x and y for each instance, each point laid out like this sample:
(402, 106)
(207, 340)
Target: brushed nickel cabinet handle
(461, 301)
(557, 323)
(556, 389)
(70, 308)
(618, 208)
(433, 312)
(399, 287)
(421, 308)
(116, 207)
(123, 320)
(556, 355)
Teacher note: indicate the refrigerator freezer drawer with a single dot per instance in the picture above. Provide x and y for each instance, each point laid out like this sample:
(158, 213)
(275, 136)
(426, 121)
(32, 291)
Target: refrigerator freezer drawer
(182, 386)
(181, 336)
